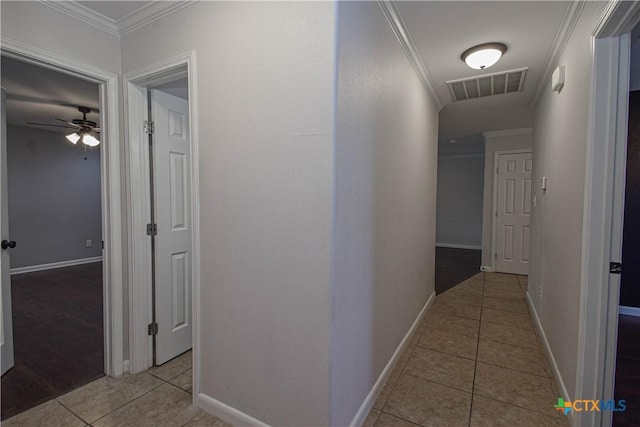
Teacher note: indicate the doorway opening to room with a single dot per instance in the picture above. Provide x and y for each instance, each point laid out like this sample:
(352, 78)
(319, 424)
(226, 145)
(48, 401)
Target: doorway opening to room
(55, 294)
(165, 216)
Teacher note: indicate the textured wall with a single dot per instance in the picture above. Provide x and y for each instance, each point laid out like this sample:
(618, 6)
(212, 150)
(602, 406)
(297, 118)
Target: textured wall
(386, 160)
(54, 198)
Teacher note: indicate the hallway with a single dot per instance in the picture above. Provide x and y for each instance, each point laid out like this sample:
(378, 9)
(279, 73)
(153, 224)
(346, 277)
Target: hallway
(475, 360)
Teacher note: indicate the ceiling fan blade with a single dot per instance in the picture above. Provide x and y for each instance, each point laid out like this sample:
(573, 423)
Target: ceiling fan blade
(70, 123)
(47, 124)
(97, 130)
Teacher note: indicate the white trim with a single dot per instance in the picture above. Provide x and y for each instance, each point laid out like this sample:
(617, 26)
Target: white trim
(140, 351)
(506, 132)
(494, 204)
(629, 311)
(84, 14)
(226, 412)
(368, 402)
(619, 17)
(149, 13)
(552, 360)
(457, 246)
(399, 28)
(144, 15)
(569, 21)
(603, 209)
(111, 194)
(52, 265)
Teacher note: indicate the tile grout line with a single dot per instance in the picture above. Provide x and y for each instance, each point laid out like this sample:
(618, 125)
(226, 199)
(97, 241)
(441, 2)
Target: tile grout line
(73, 413)
(132, 400)
(475, 362)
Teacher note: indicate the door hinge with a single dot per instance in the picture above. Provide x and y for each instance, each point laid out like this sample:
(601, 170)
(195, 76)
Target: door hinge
(149, 127)
(495, 256)
(615, 268)
(152, 329)
(496, 213)
(152, 229)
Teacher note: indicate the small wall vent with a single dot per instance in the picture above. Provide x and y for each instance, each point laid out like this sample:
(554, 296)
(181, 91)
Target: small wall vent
(487, 84)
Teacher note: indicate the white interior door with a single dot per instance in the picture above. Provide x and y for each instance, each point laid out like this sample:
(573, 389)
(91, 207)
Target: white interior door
(513, 212)
(172, 197)
(6, 330)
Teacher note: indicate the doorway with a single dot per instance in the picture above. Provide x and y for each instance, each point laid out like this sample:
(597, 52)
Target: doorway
(164, 204)
(111, 244)
(52, 192)
(512, 209)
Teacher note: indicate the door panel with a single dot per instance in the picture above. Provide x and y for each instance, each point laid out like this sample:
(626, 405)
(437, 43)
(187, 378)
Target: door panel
(171, 160)
(6, 329)
(514, 209)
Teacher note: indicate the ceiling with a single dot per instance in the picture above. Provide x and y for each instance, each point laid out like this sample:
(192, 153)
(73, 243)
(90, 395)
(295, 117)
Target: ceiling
(115, 9)
(440, 31)
(36, 94)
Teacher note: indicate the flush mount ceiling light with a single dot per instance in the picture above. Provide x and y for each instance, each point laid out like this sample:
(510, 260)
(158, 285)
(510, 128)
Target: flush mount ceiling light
(483, 55)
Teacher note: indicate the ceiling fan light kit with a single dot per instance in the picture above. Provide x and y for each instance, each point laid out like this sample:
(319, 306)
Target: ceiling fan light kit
(483, 55)
(83, 129)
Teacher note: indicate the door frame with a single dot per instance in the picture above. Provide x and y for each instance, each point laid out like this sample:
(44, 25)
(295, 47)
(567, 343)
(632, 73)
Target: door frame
(114, 247)
(139, 203)
(604, 208)
(494, 220)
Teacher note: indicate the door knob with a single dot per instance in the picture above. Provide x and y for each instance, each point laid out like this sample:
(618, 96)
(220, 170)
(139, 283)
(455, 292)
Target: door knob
(6, 244)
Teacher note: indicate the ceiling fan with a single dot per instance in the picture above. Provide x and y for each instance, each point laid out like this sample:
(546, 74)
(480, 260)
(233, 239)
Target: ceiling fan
(83, 128)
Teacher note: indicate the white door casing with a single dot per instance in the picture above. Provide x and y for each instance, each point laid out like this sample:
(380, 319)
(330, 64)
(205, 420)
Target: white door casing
(6, 330)
(513, 212)
(172, 207)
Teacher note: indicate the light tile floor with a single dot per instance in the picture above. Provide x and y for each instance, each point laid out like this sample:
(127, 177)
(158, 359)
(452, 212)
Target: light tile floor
(159, 397)
(476, 360)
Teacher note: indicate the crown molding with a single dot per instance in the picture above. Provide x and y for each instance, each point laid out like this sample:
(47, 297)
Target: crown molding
(132, 21)
(84, 14)
(399, 28)
(569, 22)
(507, 132)
(619, 17)
(149, 13)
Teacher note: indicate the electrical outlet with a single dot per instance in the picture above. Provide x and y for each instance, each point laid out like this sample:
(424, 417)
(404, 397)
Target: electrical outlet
(540, 295)
(88, 243)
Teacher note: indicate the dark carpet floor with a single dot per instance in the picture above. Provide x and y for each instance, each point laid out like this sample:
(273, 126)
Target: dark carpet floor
(628, 371)
(454, 266)
(57, 335)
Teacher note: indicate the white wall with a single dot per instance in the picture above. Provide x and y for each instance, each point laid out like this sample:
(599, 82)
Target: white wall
(40, 26)
(54, 198)
(459, 203)
(266, 87)
(462, 119)
(561, 121)
(514, 139)
(385, 190)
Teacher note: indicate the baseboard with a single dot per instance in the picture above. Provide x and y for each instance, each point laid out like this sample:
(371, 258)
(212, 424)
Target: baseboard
(486, 269)
(125, 367)
(629, 311)
(226, 412)
(456, 246)
(32, 268)
(366, 406)
(552, 360)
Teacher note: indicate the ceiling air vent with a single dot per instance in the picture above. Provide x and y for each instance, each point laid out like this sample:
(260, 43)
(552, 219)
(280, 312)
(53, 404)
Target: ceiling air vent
(487, 84)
